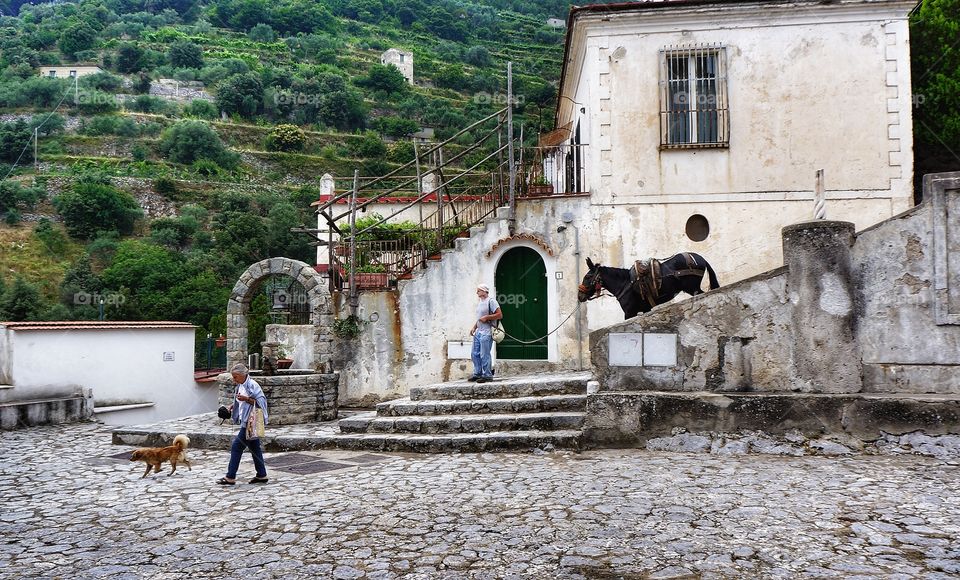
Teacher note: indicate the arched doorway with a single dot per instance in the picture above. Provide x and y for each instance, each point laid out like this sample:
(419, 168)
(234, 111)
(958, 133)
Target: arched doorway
(302, 282)
(521, 284)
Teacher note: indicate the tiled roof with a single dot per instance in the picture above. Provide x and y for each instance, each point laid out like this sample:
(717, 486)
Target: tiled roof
(94, 325)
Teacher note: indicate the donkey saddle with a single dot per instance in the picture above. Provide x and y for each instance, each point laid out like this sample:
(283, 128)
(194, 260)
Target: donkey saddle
(645, 279)
(646, 276)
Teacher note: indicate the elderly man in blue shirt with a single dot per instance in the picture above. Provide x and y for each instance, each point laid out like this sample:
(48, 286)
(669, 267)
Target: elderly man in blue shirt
(247, 397)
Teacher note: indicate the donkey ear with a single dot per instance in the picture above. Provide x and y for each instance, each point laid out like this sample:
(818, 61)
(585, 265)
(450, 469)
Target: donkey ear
(589, 263)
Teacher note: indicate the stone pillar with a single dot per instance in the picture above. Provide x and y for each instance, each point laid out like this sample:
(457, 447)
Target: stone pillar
(820, 286)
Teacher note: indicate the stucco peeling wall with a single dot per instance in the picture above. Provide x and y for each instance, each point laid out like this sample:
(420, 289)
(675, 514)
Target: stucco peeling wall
(754, 335)
(903, 348)
(729, 340)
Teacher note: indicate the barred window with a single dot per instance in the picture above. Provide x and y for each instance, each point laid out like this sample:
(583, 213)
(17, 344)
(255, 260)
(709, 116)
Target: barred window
(693, 97)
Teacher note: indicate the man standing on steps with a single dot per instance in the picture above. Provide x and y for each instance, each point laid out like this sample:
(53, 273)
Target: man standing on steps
(488, 310)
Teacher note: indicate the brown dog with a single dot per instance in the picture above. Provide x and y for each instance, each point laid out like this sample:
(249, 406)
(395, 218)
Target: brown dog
(154, 456)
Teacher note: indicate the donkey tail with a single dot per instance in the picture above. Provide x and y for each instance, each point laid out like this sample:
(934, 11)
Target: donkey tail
(714, 283)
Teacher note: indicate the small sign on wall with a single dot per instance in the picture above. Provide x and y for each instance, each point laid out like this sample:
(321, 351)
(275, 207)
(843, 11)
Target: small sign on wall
(168, 357)
(459, 349)
(626, 349)
(659, 349)
(636, 349)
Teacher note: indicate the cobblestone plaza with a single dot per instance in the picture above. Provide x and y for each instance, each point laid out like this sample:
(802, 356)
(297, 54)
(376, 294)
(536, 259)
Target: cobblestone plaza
(72, 509)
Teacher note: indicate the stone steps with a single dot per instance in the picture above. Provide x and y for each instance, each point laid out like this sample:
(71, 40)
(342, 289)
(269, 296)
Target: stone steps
(548, 403)
(512, 389)
(509, 413)
(482, 423)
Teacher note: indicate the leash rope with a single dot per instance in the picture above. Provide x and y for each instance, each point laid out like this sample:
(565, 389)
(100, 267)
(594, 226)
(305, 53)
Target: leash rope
(575, 310)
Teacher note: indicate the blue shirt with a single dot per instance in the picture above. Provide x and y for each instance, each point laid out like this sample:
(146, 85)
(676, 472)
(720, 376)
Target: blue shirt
(241, 410)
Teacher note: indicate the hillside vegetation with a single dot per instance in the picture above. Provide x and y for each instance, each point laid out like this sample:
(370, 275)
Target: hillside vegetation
(157, 202)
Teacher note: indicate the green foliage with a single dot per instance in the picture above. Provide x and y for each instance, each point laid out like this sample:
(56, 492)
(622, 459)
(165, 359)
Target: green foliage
(165, 186)
(14, 139)
(103, 81)
(140, 152)
(400, 152)
(241, 94)
(185, 54)
(286, 138)
(130, 58)
(189, 141)
(201, 109)
(51, 236)
(79, 278)
(935, 66)
(369, 146)
(90, 207)
(396, 126)
(150, 104)
(21, 301)
(477, 56)
(110, 125)
(262, 33)
(77, 37)
(386, 78)
(14, 195)
(347, 328)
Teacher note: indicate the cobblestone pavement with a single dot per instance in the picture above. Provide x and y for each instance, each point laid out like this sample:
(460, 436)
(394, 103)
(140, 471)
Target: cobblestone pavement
(69, 510)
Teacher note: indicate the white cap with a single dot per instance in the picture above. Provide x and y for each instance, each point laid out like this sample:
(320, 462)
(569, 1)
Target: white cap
(484, 287)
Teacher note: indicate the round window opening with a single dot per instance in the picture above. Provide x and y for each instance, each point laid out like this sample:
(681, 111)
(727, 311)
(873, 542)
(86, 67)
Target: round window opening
(698, 228)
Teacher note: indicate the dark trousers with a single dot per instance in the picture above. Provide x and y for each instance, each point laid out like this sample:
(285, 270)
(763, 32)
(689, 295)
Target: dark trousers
(240, 443)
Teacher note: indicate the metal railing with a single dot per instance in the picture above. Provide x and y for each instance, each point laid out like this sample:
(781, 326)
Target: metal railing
(447, 194)
(553, 170)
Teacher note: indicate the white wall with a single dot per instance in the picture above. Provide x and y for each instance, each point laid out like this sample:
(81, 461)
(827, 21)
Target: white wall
(810, 86)
(121, 366)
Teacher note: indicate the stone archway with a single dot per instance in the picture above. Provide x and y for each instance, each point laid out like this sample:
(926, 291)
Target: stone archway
(321, 307)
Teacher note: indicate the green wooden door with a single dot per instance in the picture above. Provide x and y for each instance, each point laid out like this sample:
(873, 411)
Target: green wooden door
(521, 284)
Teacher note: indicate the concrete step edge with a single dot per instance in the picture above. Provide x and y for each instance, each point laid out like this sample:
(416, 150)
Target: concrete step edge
(406, 406)
(414, 424)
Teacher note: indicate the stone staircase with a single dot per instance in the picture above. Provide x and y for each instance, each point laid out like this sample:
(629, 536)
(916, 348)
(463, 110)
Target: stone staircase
(514, 413)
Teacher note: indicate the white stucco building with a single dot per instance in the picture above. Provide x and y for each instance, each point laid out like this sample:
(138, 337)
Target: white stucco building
(138, 372)
(682, 125)
(708, 119)
(401, 59)
(70, 71)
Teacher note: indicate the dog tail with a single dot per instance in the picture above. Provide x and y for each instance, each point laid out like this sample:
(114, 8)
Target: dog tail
(181, 441)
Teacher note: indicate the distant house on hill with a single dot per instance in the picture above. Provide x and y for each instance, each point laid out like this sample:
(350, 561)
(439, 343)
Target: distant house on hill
(556, 22)
(401, 59)
(70, 71)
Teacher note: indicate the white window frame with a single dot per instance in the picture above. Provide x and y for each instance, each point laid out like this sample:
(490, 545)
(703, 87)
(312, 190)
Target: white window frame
(696, 105)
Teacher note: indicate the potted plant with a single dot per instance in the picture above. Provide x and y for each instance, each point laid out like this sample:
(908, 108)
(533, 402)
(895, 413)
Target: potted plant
(283, 360)
(540, 186)
(371, 277)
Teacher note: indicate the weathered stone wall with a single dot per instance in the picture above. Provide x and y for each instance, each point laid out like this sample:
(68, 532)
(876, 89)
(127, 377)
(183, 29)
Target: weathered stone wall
(909, 268)
(864, 332)
(808, 327)
(291, 398)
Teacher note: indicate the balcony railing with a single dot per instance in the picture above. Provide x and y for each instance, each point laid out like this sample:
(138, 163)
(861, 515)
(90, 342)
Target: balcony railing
(557, 170)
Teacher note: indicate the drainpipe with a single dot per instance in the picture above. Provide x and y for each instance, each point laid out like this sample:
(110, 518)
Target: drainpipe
(513, 168)
(354, 300)
(568, 220)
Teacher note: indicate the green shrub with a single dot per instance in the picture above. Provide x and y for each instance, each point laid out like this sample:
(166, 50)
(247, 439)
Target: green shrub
(201, 109)
(52, 237)
(140, 152)
(90, 207)
(286, 138)
(165, 186)
(189, 141)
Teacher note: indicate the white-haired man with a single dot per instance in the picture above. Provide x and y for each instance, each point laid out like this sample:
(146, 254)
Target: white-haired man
(488, 310)
(248, 396)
